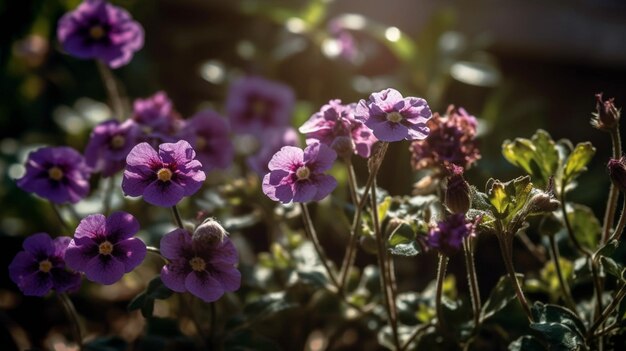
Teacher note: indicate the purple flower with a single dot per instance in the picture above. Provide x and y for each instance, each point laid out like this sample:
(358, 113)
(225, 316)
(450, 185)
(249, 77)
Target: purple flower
(452, 140)
(99, 30)
(297, 175)
(208, 132)
(58, 174)
(335, 126)
(273, 141)
(255, 104)
(447, 236)
(156, 116)
(41, 266)
(203, 265)
(104, 249)
(109, 144)
(392, 117)
(163, 178)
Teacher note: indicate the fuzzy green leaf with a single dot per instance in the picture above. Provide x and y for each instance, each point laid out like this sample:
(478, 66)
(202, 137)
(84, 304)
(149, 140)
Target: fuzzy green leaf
(577, 161)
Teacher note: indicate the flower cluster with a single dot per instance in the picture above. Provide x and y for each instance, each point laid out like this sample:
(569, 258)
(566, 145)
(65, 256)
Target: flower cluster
(452, 140)
(447, 236)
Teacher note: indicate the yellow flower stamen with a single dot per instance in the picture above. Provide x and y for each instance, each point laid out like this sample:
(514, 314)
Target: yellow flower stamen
(55, 173)
(197, 264)
(394, 117)
(164, 174)
(105, 248)
(45, 266)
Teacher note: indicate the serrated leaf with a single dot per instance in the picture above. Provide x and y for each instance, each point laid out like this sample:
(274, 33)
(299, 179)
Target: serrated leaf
(577, 161)
(501, 295)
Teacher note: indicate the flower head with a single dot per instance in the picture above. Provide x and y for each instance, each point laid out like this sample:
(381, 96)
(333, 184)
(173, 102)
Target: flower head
(156, 116)
(208, 132)
(205, 268)
(452, 140)
(392, 117)
(297, 175)
(109, 144)
(273, 140)
(617, 172)
(58, 174)
(255, 104)
(163, 178)
(457, 196)
(41, 266)
(335, 126)
(607, 115)
(99, 30)
(447, 236)
(104, 248)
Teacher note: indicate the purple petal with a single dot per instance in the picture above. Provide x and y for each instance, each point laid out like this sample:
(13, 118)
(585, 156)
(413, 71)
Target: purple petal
(60, 245)
(120, 225)
(230, 279)
(36, 284)
(64, 280)
(177, 153)
(175, 243)
(130, 252)
(225, 254)
(269, 189)
(204, 286)
(23, 264)
(284, 193)
(304, 191)
(92, 226)
(142, 154)
(104, 269)
(165, 194)
(285, 158)
(39, 245)
(325, 185)
(319, 157)
(136, 179)
(386, 98)
(418, 132)
(389, 131)
(173, 275)
(77, 256)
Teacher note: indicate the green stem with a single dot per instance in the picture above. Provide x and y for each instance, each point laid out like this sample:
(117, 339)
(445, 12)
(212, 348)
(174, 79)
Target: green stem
(472, 279)
(108, 195)
(441, 276)
(506, 247)
(177, 218)
(112, 90)
(60, 217)
(350, 255)
(310, 230)
(620, 224)
(567, 295)
(421, 329)
(609, 214)
(609, 309)
(70, 310)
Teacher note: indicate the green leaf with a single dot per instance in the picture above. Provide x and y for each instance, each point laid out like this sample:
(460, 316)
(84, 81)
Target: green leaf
(561, 327)
(585, 225)
(145, 300)
(577, 161)
(539, 156)
(501, 295)
(526, 343)
(402, 241)
(383, 207)
(613, 268)
(498, 199)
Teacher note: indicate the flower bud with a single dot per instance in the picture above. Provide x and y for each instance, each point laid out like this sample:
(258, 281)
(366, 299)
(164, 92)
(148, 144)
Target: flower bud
(607, 115)
(209, 233)
(344, 146)
(617, 172)
(457, 196)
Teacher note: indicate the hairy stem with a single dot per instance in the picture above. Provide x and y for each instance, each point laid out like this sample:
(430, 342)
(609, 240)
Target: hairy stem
(607, 312)
(71, 313)
(350, 255)
(567, 295)
(177, 218)
(112, 90)
(617, 234)
(506, 247)
(441, 276)
(310, 230)
(472, 279)
(609, 214)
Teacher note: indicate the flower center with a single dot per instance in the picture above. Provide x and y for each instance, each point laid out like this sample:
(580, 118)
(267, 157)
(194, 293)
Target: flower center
(118, 141)
(96, 32)
(259, 107)
(55, 173)
(105, 248)
(164, 174)
(394, 117)
(45, 266)
(197, 264)
(200, 143)
(303, 173)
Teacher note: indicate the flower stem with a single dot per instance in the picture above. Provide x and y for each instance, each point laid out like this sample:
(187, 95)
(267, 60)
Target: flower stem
(607, 312)
(350, 255)
(609, 214)
(112, 90)
(385, 280)
(71, 313)
(108, 195)
(60, 217)
(567, 295)
(472, 279)
(177, 218)
(506, 248)
(441, 276)
(310, 230)
(421, 329)
(620, 224)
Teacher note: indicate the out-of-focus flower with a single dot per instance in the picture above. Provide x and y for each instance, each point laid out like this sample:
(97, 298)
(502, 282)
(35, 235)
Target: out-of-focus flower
(99, 30)
(617, 172)
(297, 175)
(163, 178)
(335, 126)
(255, 104)
(41, 266)
(452, 140)
(347, 47)
(607, 115)
(32, 50)
(109, 144)
(208, 132)
(104, 248)
(457, 196)
(447, 236)
(156, 116)
(204, 266)
(58, 174)
(273, 141)
(392, 117)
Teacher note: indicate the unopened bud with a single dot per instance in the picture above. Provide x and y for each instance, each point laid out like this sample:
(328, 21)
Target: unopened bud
(617, 172)
(542, 202)
(344, 146)
(209, 233)
(607, 115)
(458, 197)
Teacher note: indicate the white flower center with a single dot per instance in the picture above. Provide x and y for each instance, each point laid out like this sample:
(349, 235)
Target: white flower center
(303, 173)
(105, 248)
(164, 174)
(55, 173)
(197, 264)
(394, 117)
(45, 266)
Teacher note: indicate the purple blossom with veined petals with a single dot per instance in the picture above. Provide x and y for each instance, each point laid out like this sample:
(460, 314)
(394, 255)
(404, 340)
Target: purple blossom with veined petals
(208, 132)
(297, 175)
(205, 268)
(273, 141)
(392, 117)
(99, 30)
(334, 123)
(163, 178)
(41, 266)
(255, 104)
(109, 144)
(156, 116)
(58, 174)
(104, 247)
(447, 236)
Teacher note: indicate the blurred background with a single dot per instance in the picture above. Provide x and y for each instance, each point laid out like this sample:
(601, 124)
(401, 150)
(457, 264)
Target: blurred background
(516, 65)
